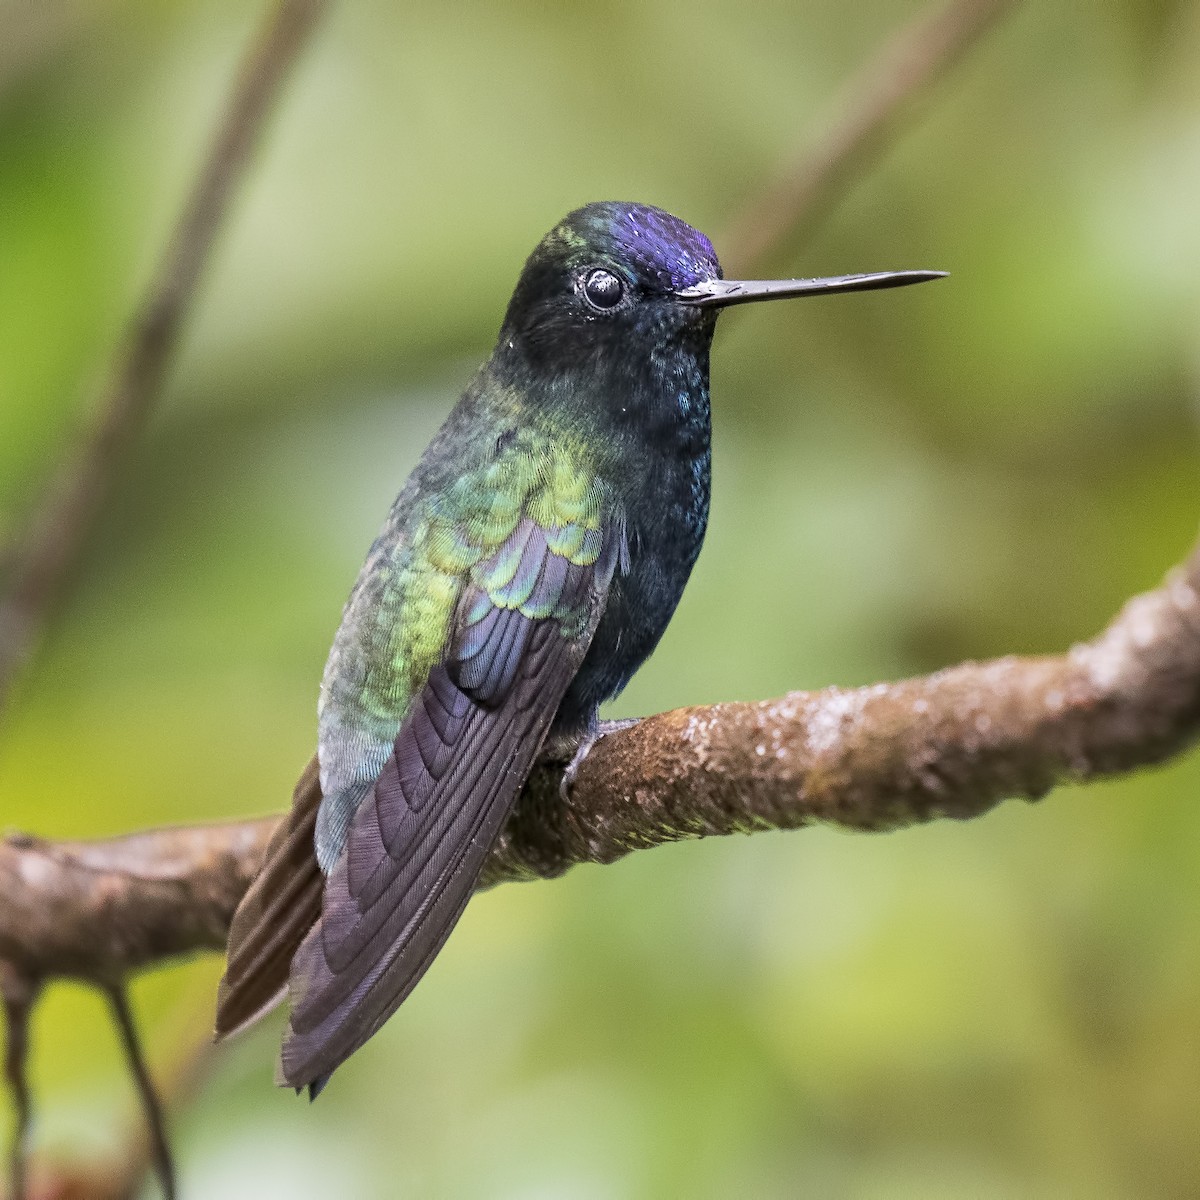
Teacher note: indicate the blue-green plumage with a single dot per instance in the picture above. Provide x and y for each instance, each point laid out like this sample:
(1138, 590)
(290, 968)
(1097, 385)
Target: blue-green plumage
(637, 427)
(526, 570)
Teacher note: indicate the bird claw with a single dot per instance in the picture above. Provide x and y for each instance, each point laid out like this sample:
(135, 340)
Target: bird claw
(590, 738)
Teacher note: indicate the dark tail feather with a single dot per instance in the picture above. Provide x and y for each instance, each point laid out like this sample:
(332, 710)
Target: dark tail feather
(282, 905)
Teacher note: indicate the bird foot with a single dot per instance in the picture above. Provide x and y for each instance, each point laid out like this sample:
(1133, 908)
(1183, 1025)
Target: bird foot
(589, 739)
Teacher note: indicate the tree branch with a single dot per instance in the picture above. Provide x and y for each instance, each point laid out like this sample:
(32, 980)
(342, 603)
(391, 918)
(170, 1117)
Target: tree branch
(41, 561)
(155, 896)
(952, 744)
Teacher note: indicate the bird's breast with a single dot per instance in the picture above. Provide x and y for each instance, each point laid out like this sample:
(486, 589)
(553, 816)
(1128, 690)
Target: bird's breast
(665, 497)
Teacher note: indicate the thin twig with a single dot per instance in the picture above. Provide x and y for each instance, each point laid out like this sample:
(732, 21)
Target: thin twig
(18, 993)
(160, 1147)
(43, 557)
(179, 1081)
(867, 115)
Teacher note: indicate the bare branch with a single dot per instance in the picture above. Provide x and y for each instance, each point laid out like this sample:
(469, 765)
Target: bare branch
(867, 116)
(96, 911)
(951, 744)
(42, 559)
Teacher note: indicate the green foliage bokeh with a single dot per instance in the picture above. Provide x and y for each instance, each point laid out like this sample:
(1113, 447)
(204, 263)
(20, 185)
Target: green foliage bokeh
(988, 465)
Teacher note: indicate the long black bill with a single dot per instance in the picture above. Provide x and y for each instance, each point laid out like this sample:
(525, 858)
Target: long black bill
(721, 293)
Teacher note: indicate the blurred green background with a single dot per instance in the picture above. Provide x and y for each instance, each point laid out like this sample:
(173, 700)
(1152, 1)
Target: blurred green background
(1008, 1008)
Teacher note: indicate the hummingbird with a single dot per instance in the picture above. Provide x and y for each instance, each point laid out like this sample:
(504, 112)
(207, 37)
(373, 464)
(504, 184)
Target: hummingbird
(527, 568)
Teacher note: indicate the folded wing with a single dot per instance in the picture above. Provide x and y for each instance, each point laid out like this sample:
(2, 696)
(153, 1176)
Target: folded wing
(417, 843)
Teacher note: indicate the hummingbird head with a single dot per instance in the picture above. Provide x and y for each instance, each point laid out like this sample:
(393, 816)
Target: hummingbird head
(605, 280)
(612, 278)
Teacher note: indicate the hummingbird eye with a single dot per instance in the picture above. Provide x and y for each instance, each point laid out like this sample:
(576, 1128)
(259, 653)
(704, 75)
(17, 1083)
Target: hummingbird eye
(602, 289)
